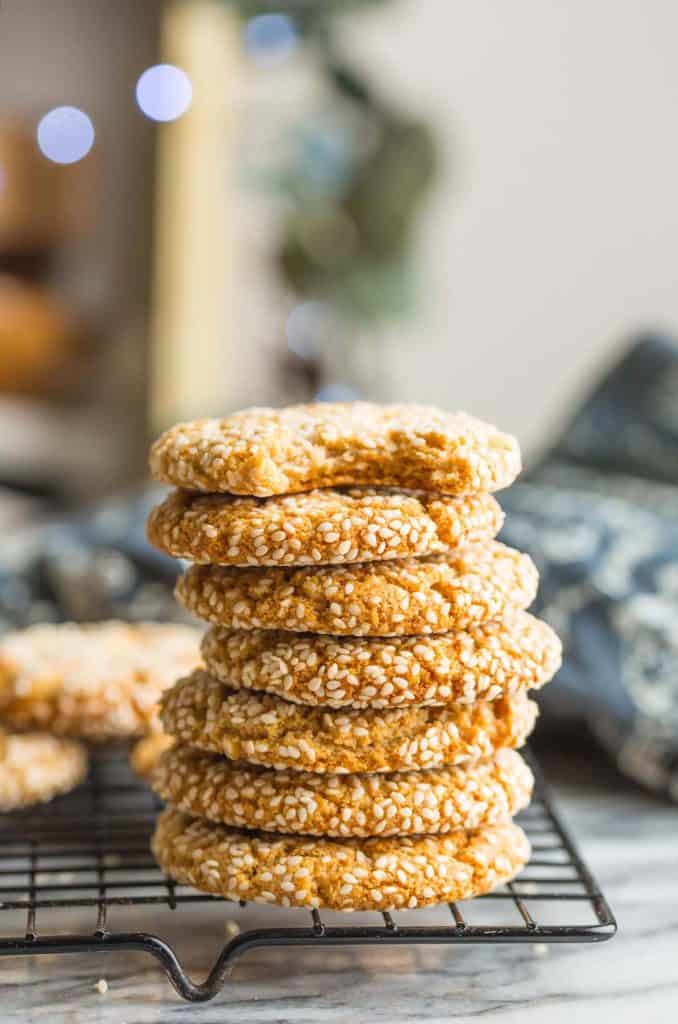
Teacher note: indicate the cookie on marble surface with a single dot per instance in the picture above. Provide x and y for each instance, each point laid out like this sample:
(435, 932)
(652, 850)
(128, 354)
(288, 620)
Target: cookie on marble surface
(263, 729)
(408, 597)
(432, 801)
(97, 681)
(263, 451)
(487, 661)
(36, 767)
(382, 873)
(319, 527)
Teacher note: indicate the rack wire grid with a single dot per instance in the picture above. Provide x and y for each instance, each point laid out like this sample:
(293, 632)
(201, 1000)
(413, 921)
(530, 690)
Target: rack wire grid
(89, 851)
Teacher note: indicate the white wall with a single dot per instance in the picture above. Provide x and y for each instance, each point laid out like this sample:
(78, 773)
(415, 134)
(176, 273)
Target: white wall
(555, 233)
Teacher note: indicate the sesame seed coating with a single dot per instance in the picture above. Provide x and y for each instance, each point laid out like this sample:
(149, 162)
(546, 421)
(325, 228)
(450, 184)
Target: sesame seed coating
(319, 527)
(400, 803)
(412, 596)
(263, 451)
(96, 681)
(337, 874)
(36, 767)
(147, 751)
(260, 728)
(487, 661)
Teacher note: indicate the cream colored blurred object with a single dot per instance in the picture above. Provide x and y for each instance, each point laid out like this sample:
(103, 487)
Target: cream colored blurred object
(194, 208)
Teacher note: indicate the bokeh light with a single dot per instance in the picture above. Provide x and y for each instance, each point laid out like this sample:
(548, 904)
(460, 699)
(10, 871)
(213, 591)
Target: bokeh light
(270, 38)
(164, 92)
(65, 135)
(307, 329)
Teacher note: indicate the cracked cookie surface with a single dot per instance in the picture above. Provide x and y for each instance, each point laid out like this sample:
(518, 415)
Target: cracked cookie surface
(487, 661)
(260, 728)
(382, 873)
(319, 527)
(410, 597)
(432, 801)
(264, 451)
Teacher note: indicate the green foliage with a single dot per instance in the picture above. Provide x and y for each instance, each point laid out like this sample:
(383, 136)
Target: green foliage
(385, 196)
(348, 237)
(352, 250)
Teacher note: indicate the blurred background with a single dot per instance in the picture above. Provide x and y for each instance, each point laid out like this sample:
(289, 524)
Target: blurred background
(206, 204)
(481, 211)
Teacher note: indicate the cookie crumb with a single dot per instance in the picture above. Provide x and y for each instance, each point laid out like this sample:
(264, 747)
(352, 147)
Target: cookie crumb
(102, 986)
(232, 928)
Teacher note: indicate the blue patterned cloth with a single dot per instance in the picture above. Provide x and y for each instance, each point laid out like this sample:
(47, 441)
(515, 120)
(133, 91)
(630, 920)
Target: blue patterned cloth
(599, 515)
(600, 518)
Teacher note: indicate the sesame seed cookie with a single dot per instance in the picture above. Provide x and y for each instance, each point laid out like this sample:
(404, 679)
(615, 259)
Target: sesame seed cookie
(381, 873)
(147, 751)
(436, 800)
(487, 661)
(97, 681)
(263, 451)
(319, 527)
(408, 597)
(262, 729)
(36, 767)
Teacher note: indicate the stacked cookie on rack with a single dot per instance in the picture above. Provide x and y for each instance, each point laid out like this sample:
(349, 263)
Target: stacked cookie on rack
(352, 742)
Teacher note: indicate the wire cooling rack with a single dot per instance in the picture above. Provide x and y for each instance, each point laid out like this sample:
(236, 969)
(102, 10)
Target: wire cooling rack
(88, 854)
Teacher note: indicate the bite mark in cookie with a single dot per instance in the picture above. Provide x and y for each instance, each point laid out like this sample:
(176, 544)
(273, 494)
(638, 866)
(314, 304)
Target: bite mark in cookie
(263, 451)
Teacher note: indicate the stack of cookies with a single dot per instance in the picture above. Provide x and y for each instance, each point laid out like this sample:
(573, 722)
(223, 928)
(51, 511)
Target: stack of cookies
(352, 741)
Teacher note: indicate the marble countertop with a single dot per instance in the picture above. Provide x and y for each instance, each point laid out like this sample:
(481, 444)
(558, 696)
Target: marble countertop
(631, 843)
